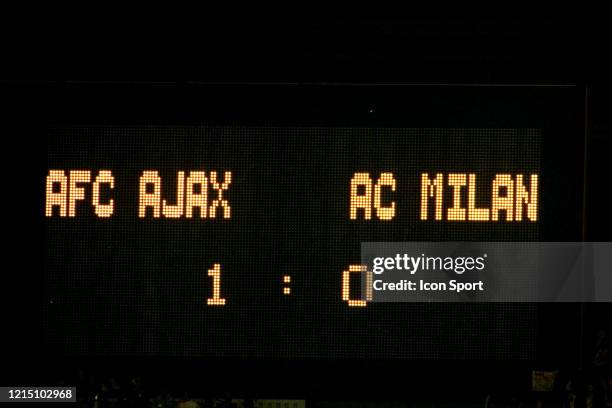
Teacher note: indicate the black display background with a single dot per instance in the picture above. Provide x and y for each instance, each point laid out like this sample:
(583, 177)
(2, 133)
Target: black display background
(501, 46)
(318, 241)
(558, 111)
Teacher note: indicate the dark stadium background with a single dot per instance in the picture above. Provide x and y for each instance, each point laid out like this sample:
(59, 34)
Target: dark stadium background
(489, 49)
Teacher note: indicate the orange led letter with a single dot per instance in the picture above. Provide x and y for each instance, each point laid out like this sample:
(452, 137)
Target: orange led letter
(176, 211)
(384, 213)
(152, 199)
(529, 199)
(475, 214)
(103, 210)
(76, 193)
(199, 200)
(59, 199)
(456, 213)
(361, 201)
(431, 189)
(506, 202)
(220, 202)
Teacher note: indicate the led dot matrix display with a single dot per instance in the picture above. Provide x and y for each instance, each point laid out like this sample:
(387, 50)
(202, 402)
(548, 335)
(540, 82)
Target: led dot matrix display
(243, 239)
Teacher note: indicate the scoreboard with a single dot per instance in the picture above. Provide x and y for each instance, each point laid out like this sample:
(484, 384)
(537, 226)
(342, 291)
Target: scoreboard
(220, 220)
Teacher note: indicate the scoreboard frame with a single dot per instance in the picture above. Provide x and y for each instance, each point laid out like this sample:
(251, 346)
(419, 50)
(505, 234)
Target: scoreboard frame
(357, 105)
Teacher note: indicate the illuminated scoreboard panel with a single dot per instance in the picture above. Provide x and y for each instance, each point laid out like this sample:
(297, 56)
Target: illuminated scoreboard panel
(233, 240)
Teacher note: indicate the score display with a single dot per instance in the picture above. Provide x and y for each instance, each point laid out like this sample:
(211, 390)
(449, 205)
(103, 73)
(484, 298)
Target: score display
(209, 236)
